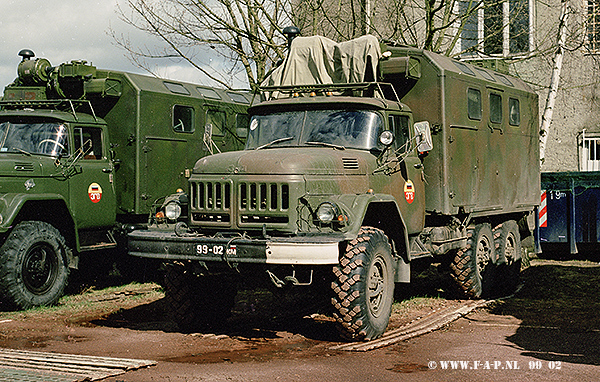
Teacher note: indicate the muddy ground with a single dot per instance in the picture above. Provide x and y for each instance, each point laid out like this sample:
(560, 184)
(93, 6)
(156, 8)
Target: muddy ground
(132, 321)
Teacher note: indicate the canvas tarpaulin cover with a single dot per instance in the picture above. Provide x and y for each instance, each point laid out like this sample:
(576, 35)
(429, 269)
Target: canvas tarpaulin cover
(319, 60)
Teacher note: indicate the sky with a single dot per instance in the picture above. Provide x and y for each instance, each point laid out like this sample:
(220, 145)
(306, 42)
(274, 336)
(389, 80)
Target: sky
(66, 30)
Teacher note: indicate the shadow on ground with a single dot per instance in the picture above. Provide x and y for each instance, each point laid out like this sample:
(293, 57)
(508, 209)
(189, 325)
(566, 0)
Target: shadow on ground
(262, 313)
(256, 315)
(559, 306)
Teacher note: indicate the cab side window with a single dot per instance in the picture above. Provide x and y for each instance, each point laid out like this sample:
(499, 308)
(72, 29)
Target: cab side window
(399, 126)
(89, 139)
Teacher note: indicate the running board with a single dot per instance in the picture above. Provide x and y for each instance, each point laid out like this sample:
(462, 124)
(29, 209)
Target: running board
(96, 240)
(417, 248)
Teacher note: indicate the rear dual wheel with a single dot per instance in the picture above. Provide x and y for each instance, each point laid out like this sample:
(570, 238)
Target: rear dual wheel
(473, 266)
(508, 247)
(490, 263)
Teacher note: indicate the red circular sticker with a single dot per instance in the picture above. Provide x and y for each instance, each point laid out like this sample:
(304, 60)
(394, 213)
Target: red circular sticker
(95, 192)
(409, 191)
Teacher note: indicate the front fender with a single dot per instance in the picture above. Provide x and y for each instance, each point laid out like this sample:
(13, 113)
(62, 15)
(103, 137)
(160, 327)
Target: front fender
(357, 208)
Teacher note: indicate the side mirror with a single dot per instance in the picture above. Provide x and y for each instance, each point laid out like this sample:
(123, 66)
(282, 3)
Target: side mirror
(423, 136)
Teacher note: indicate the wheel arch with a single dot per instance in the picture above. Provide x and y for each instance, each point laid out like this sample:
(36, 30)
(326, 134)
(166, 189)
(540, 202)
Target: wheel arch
(386, 216)
(51, 209)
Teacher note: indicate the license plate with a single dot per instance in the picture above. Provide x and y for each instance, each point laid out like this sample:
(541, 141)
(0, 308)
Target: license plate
(217, 250)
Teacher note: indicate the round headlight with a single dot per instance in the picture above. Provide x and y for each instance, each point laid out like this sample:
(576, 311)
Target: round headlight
(173, 210)
(326, 212)
(386, 138)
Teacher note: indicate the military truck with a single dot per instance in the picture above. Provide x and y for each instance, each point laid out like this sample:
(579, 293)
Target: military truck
(346, 182)
(84, 153)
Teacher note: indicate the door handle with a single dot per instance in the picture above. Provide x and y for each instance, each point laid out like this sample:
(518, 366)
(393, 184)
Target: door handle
(418, 165)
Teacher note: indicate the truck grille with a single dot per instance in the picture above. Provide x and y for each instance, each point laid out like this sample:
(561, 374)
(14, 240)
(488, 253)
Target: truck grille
(264, 202)
(257, 202)
(211, 202)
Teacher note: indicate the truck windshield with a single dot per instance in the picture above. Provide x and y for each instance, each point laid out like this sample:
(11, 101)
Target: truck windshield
(45, 138)
(357, 129)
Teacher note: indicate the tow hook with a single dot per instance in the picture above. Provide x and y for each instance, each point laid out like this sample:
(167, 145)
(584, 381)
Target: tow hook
(288, 280)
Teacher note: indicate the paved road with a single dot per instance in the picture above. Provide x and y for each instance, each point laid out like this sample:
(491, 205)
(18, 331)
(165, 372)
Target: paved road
(481, 346)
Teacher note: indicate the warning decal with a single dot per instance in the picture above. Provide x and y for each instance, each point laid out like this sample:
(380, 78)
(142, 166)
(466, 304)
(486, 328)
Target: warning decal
(409, 191)
(543, 214)
(95, 192)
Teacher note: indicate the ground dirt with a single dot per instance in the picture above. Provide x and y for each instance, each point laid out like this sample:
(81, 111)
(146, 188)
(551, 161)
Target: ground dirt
(131, 321)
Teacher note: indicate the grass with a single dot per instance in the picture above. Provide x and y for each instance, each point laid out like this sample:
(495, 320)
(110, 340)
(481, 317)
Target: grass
(91, 302)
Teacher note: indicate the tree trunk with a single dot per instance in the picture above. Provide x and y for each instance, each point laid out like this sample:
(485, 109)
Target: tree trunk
(554, 81)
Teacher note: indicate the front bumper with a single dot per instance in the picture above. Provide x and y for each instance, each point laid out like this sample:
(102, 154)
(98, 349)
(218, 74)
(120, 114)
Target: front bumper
(300, 250)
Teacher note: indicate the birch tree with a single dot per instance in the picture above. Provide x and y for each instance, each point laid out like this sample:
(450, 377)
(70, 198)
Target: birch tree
(546, 119)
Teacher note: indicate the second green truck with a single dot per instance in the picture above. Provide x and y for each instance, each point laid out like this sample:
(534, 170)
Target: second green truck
(84, 154)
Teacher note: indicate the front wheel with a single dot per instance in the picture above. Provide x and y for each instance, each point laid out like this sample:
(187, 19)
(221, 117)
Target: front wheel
(364, 286)
(198, 302)
(33, 268)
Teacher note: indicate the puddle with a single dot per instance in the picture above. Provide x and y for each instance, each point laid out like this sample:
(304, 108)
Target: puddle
(39, 342)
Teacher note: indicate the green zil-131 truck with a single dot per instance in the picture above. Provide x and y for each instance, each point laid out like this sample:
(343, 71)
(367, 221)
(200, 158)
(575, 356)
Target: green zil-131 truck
(362, 160)
(84, 154)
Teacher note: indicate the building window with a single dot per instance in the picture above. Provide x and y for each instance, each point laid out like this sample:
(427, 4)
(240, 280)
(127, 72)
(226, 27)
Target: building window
(495, 27)
(590, 154)
(593, 25)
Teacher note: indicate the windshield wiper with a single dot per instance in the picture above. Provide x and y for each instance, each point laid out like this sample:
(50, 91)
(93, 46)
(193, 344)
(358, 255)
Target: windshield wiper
(275, 141)
(22, 151)
(339, 147)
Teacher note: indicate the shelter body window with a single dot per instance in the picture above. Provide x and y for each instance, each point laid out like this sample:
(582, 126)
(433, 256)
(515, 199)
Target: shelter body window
(208, 93)
(495, 108)
(474, 104)
(183, 119)
(514, 112)
(176, 88)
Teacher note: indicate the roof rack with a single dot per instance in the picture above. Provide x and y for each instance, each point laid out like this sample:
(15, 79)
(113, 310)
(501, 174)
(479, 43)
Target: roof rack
(66, 105)
(355, 89)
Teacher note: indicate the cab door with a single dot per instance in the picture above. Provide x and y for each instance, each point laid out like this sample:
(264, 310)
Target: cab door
(407, 174)
(91, 188)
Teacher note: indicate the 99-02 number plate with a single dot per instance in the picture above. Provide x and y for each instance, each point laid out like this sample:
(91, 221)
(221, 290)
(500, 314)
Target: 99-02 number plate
(217, 250)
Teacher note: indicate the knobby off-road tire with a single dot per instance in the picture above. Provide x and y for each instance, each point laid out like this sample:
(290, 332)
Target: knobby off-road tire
(198, 302)
(473, 266)
(364, 286)
(507, 240)
(33, 265)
